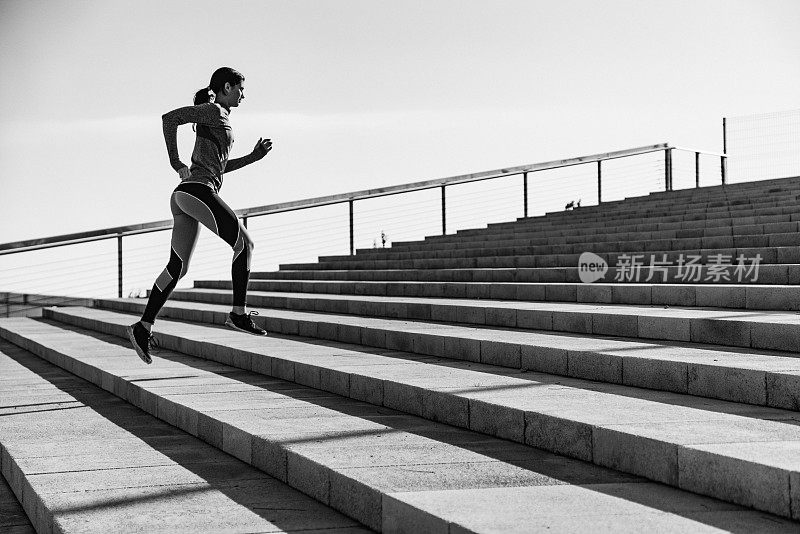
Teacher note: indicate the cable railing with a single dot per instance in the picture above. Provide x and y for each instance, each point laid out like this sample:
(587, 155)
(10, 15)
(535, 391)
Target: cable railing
(763, 145)
(299, 231)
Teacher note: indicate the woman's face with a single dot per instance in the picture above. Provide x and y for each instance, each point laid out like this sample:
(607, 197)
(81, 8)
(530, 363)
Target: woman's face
(237, 94)
(234, 95)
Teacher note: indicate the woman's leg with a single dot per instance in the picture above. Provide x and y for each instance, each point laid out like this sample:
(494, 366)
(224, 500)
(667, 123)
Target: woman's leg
(202, 203)
(184, 238)
(185, 232)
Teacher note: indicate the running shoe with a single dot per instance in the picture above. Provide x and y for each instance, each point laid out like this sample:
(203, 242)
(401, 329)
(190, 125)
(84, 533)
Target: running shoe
(244, 322)
(142, 341)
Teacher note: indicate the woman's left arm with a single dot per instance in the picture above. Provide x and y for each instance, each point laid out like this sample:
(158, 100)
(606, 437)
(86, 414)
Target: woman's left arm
(262, 148)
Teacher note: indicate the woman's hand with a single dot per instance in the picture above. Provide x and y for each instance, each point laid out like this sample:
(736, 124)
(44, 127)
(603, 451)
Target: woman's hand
(184, 173)
(262, 148)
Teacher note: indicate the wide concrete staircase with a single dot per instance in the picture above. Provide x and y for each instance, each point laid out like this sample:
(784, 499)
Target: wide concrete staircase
(464, 383)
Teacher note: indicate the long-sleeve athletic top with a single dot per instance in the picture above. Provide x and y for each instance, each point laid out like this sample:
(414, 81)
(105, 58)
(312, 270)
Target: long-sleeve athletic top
(212, 146)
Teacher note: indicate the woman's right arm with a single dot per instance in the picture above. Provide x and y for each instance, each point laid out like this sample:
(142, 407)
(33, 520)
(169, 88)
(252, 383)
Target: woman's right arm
(204, 113)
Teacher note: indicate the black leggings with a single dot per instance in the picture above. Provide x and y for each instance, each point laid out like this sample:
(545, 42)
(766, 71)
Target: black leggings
(194, 203)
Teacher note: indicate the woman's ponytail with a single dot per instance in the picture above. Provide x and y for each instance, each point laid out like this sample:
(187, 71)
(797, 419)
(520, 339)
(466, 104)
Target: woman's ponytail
(203, 96)
(220, 77)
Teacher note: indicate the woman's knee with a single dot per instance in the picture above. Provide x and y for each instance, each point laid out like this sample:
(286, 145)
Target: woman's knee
(184, 269)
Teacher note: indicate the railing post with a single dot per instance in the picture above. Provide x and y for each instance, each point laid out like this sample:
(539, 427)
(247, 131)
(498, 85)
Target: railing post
(244, 221)
(352, 248)
(723, 161)
(668, 169)
(525, 192)
(724, 169)
(724, 135)
(599, 182)
(697, 169)
(119, 266)
(444, 213)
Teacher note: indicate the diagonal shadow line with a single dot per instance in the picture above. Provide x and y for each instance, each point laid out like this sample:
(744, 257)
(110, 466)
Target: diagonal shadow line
(642, 393)
(35, 404)
(652, 395)
(40, 411)
(558, 468)
(189, 489)
(99, 401)
(544, 379)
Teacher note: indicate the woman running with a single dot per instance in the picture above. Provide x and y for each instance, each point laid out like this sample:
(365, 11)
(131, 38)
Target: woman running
(196, 201)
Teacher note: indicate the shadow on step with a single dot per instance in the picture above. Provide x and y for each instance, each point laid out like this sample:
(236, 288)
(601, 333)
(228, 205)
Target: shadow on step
(534, 378)
(239, 482)
(547, 468)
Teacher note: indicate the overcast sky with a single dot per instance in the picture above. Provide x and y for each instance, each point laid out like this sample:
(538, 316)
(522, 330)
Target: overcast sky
(362, 94)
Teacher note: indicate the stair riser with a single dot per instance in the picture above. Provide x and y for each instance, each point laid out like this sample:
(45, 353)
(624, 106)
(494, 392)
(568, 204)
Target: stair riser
(604, 447)
(751, 236)
(625, 219)
(572, 228)
(727, 332)
(626, 222)
(739, 385)
(668, 214)
(722, 197)
(736, 297)
(716, 196)
(788, 274)
(523, 257)
(625, 225)
(630, 241)
(670, 246)
(663, 209)
(669, 206)
(565, 255)
(39, 516)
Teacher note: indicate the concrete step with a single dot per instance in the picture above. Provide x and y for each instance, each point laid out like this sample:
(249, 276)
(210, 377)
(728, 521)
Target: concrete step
(768, 255)
(725, 236)
(596, 232)
(666, 211)
(727, 193)
(555, 228)
(397, 473)
(559, 237)
(707, 197)
(740, 297)
(774, 183)
(738, 453)
(82, 460)
(761, 377)
(668, 207)
(771, 330)
(724, 259)
(776, 274)
(750, 244)
(664, 208)
(628, 224)
(614, 253)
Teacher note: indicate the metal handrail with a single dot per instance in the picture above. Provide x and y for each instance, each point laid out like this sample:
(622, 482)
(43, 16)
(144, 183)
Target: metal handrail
(122, 231)
(135, 229)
